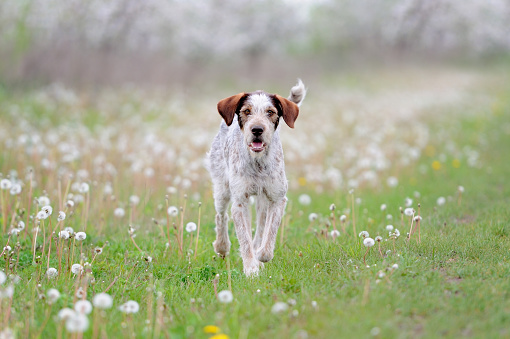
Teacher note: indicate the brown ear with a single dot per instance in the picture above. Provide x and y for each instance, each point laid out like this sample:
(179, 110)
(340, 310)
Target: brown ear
(228, 107)
(290, 110)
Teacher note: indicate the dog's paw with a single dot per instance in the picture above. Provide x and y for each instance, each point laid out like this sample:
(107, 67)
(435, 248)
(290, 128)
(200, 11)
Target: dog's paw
(221, 247)
(264, 254)
(252, 268)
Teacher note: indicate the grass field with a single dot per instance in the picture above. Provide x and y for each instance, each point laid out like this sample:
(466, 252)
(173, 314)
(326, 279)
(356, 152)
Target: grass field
(123, 157)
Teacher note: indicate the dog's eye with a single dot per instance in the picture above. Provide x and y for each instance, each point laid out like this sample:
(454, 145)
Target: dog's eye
(270, 112)
(247, 112)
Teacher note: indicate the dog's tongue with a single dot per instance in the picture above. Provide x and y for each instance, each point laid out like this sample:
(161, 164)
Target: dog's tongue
(256, 144)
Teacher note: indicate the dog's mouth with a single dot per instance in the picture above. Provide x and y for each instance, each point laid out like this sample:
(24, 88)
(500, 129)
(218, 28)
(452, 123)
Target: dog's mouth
(257, 146)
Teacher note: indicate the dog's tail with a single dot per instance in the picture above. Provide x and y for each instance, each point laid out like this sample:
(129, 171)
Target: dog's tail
(298, 93)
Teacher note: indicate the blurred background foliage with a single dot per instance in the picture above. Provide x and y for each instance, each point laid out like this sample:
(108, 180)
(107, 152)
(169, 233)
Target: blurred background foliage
(181, 43)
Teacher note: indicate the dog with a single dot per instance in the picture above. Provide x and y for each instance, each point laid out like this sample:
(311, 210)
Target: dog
(246, 159)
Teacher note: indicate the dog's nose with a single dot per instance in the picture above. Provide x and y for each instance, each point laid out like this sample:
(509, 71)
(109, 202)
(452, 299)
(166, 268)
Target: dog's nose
(257, 130)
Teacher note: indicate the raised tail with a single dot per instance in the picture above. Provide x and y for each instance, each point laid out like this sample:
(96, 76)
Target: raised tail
(297, 93)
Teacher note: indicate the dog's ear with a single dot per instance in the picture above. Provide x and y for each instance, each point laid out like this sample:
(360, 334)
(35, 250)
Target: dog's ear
(289, 110)
(229, 106)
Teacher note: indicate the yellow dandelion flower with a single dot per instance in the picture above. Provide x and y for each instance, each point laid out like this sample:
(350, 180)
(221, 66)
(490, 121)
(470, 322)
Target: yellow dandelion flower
(220, 336)
(302, 181)
(211, 329)
(436, 165)
(456, 163)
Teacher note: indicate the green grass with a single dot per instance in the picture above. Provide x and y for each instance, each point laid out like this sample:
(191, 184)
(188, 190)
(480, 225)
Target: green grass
(455, 283)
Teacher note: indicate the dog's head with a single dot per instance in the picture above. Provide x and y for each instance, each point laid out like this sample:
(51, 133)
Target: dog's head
(258, 115)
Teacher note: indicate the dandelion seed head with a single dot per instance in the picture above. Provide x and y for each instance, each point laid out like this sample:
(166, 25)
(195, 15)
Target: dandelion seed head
(389, 228)
(332, 207)
(394, 266)
(343, 218)
(15, 189)
(102, 301)
(279, 307)
(417, 218)
(14, 231)
(53, 295)
(383, 207)
(129, 307)
(378, 238)
(191, 227)
(5, 184)
(77, 323)
(70, 230)
(65, 313)
(134, 200)
(335, 234)
(80, 236)
(225, 297)
(119, 212)
(363, 234)
(460, 189)
(76, 268)
(70, 203)
(409, 211)
(21, 225)
(304, 199)
(441, 201)
(51, 272)
(84, 188)
(173, 211)
(368, 242)
(3, 277)
(392, 181)
(43, 201)
(312, 217)
(61, 216)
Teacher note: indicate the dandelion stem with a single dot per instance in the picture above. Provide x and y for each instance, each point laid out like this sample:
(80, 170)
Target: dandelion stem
(353, 216)
(29, 203)
(229, 274)
(368, 249)
(198, 228)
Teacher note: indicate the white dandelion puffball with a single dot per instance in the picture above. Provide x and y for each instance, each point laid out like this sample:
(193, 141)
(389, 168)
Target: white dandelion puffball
(70, 230)
(63, 235)
(389, 228)
(172, 211)
(129, 307)
(335, 233)
(383, 207)
(304, 199)
(77, 322)
(14, 231)
(378, 238)
(5, 184)
(84, 188)
(119, 212)
(134, 200)
(21, 225)
(417, 218)
(395, 266)
(3, 277)
(392, 181)
(53, 295)
(461, 189)
(41, 215)
(363, 234)
(43, 201)
(368, 242)
(61, 216)
(312, 217)
(102, 301)
(408, 202)
(332, 207)
(389, 217)
(441, 201)
(409, 211)
(225, 297)
(65, 313)
(83, 307)
(191, 227)
(51, 272)
(76, 268)
(70, 203)
(15, 189)
(80, 236)
(279, 307)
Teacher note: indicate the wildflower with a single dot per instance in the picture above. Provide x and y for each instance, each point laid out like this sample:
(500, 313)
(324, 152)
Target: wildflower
(65, 313)
(149, 258)
(7, 293)
(368, 242)
(131, 232)
(77, 323)
(314, 304)
(21, 225)
(375, 331)
(41, 215)
(343, 218)
(7, 333)
(15, 231)
(98, 250)
(76, 268)
(417, 218)
(312, 217)
(211, 329)
(441, 201)
(70, 230)
(80, 236)
(378, 238)
(363, 234)
(51, 272)
(15, 189)
(80, 293)
(225, 296)
(381, 274)
(389, 228)
(460, 189)
(5, 184)
(395, 266)
(335, 233)
(119, 212)
(408, 202)
(134, 200)
(53, 295)
(304, 199)
(389, 217)
(3, 277)
(392, 181)
(351, 191)
(291, 302)
(220, 336)
(63, 235)
(129, 307)
(191, 227)
(172, 211)
(43, 201)
(332, 207)
(61, 216)
(84, 188)
(102, 301)
(279, 307)
(83, 307)
(409, 211)
(383, 207)
(70, 203)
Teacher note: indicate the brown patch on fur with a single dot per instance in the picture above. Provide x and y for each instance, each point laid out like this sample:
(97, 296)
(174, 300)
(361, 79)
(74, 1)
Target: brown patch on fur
(229, 106)
(287, 108)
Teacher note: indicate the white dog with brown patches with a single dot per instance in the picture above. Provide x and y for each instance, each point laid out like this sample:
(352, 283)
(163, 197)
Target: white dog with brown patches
(246, 159)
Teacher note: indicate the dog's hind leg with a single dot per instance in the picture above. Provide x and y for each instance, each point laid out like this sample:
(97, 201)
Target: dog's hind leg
(221, 201)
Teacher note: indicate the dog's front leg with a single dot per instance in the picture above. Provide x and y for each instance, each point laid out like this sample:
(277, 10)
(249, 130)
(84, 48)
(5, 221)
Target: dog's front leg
(274, 217)
(262, 205)
(242, 224)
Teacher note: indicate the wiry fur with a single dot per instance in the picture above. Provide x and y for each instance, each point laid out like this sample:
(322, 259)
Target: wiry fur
(240, 170)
